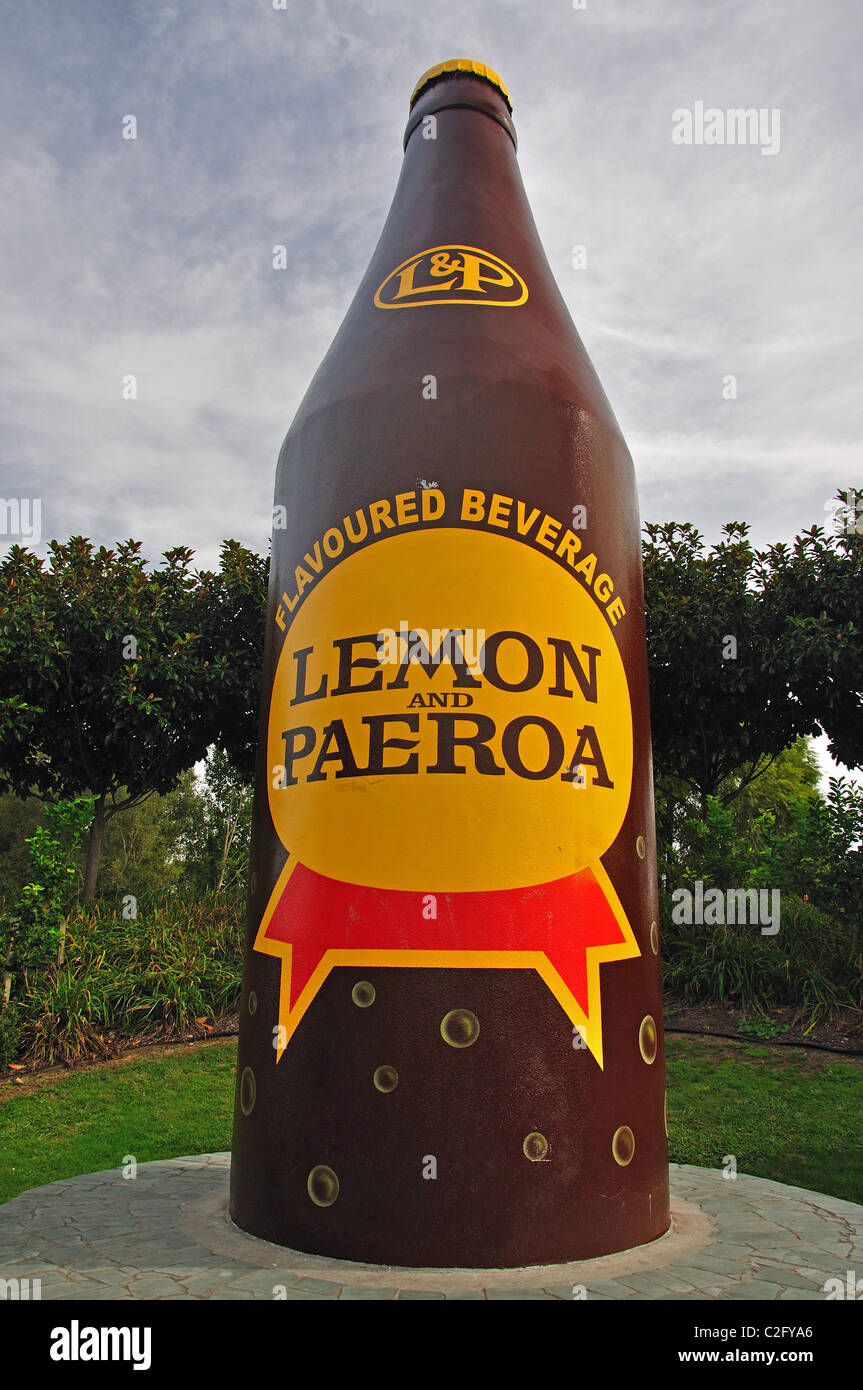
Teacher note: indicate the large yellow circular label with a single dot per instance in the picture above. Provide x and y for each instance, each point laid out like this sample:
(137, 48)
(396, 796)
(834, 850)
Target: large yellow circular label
(450, 713)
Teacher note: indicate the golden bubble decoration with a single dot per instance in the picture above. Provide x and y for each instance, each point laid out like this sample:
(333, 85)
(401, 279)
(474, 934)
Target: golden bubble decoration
(322, 1185)
(623, 1145)
(460, 1028)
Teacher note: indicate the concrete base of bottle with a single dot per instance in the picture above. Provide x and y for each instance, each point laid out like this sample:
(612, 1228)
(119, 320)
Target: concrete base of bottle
(167, 1235)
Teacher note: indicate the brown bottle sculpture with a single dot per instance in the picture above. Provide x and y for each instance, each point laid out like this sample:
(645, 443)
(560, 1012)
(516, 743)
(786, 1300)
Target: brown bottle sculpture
(451, 1045)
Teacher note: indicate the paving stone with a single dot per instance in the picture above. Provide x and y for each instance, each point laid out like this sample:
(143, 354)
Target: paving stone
(59, 1288)
(116, 1252)
(113, 1277)
(753, 1289)
(414, 1295)
(76, 1291)
(810, 1259)
(784, 1274)
(147, 1238)
(614, 1287)
(297, 1296)
(153, 1286)
(465, 1295)
(520, 1295)
(63, 1251)
(792, 1294)
(365, 1293)
(698, 1278)
(727, 1251)
(194, 1258)
(714, 1264)
(321, 1286)
(202, 1285)
(98, 1222)
(839, 1253)
(750, 1233)
(819, 1277)
(663, 1297)
(657, 1283)
(103, 1295)
(262, 1282)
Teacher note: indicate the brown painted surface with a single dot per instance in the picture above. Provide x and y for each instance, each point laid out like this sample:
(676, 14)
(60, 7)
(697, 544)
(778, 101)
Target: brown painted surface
(519, 412)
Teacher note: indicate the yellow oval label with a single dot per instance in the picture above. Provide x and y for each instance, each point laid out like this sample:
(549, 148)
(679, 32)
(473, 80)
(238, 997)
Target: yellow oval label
(450, 712)
(452, 275)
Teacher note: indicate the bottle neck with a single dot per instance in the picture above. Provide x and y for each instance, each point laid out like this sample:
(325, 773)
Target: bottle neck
(460, 177)
(466, 92)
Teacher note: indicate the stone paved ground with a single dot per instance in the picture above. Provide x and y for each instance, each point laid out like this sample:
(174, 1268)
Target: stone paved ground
(166, 1235)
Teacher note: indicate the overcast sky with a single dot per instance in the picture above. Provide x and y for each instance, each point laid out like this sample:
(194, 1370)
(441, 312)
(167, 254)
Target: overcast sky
(258, 126)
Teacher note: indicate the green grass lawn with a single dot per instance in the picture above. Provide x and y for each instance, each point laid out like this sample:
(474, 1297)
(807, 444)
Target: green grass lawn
(180, 1102)
(793, 1116)
(789, 1115)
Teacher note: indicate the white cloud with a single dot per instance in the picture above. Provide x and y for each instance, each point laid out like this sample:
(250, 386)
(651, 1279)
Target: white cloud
(259, 127)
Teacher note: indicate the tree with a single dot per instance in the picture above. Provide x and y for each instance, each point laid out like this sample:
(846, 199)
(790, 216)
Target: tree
(141, 851)
(791, 781)
(736, 840)
(238, 609)
(114, 678)
(814, 594)
(214, 840)
(749, 651)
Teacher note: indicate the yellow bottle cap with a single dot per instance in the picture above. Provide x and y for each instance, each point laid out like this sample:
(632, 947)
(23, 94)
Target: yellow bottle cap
(465, 65)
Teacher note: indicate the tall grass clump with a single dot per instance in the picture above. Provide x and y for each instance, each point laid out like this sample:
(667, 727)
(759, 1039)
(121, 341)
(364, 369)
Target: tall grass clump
(174, 968)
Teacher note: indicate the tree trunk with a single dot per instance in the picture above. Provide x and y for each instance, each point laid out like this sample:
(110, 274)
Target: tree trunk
(94, 850)
(61, 944)
(7, 971)
(230, 832)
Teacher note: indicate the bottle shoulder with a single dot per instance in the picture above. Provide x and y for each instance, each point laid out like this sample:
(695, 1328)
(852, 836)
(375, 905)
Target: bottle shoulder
(476, 353)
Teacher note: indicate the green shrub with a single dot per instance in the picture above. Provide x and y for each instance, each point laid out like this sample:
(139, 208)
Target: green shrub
(157, 975)
(813, 963)
(10, 1033)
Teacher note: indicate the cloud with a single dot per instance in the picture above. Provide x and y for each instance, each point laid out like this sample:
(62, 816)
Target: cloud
(259, 127)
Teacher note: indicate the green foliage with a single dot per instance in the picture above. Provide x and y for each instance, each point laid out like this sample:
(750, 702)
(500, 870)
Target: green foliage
(779, 833)
(35, 924)
(234, 622)
(10, 1032)
(814, 594)
(18, 819)
(141, 851)
(711, 715)
(114, 678)
(32, 931)
(792, 778)
(213, 839)
(762, 1027)
(155, 975)
(796, 615)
